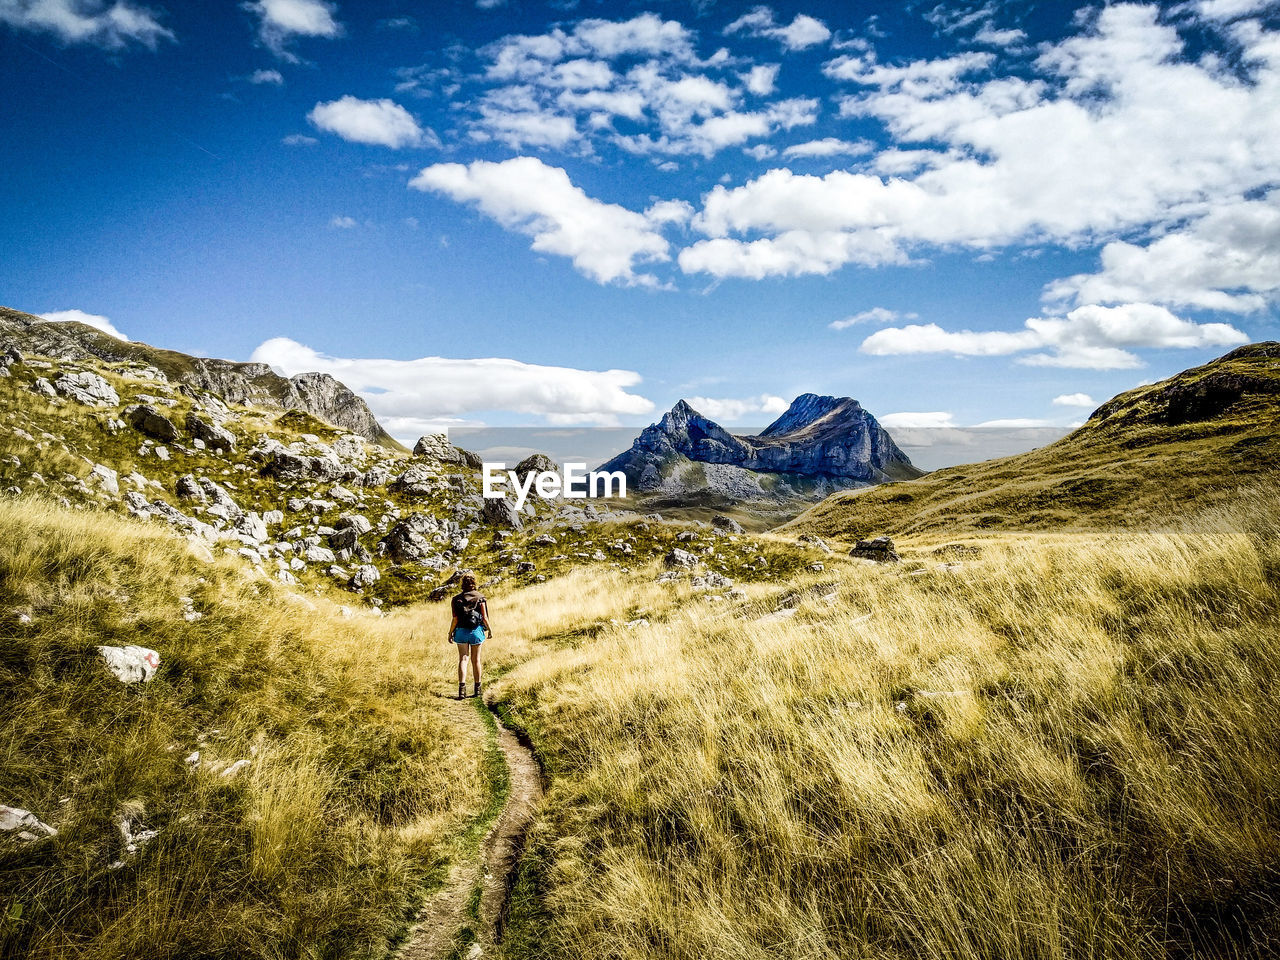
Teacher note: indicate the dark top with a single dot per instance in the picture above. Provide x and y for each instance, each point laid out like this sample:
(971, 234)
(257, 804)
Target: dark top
(465, 598)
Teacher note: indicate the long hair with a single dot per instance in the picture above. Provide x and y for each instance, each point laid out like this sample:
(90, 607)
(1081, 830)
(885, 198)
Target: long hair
(468, 583)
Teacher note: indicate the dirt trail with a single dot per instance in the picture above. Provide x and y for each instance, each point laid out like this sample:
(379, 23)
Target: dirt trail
(443, 914)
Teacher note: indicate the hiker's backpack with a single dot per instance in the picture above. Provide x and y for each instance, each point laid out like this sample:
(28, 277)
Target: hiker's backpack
(469, 611)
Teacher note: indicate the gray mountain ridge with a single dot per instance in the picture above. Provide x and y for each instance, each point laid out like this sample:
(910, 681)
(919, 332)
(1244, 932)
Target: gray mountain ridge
(318, 394)
(821, 442)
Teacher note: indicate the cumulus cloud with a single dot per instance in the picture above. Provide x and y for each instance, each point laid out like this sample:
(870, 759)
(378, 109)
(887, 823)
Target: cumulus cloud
(343, 223)
(432, 388)
(1228, 260)
(299, 140)
(378, 122)
(803, 32)
(109, 25)
(829, 147)
(874, 315)
(762, 78)
(267, 76)
(1089, 337)
(280, 21)
(604, 240)
(1074, 400)
(729, 409)
(573, 88)
(1089, 147)
(89, 319)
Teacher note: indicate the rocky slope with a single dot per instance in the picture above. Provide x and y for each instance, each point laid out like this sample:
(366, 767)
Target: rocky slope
(305, 502)
(1145, 457)
(818, 445)
(245, 383)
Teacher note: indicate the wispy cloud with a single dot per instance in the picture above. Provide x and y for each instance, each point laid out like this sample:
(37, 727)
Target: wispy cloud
(281, 21)
(108, 25)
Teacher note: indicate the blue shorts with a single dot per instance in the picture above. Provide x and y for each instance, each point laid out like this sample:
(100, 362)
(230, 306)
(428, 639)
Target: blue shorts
(465, 635)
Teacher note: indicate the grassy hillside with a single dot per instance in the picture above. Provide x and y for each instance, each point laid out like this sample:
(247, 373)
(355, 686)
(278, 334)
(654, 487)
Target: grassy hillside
(1062, 749)
(1142, 459)
(352, 800)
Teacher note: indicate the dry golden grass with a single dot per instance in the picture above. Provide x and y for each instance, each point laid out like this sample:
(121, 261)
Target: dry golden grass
(356, 794)
(1064, 748)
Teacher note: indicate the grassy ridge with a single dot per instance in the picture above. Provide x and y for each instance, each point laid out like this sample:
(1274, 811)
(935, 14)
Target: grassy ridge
(1065, 748)
(1141, 459)
(355, 786)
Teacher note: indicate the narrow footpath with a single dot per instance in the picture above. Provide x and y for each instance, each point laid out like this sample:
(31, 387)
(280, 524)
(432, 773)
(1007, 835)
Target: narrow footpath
(445, 913)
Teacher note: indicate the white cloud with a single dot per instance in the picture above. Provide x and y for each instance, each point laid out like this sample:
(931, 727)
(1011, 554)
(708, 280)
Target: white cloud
(1231, 9)
(1089, 337)
(279, 21)
(89, 319)
(1227, 260)
(1091, 148)
(803, 32)
(379, 122)
(874, 315)
(267, 76)
(761, 151)
(110, 25)
(924, 420)
(299, 140)
(994, 37)
(343, 223)
(1074, 400)
(603, 240)
(727, 409)
(829, 147)
(432, 388)
(762, 78)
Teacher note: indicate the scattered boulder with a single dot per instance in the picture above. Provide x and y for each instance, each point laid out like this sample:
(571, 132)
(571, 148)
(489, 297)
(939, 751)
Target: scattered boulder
(680, 559)
(436, 446)
(406, 544)
(188, 488)
(148, 420)
(525, 566)
(131, 664)
(107, 478)
(87, 388)
(354, 521)
(499, 512)
(44, 388)
(345, 539)
(366, 575)
(214, 436)
(417, 481)
(727, 524)
(880, 550)
(23, 825)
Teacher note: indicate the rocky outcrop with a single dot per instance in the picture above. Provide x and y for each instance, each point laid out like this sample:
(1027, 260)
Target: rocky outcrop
(436, 446)
(245, 383)
(825, 439)
(881, 550)
(148, 420)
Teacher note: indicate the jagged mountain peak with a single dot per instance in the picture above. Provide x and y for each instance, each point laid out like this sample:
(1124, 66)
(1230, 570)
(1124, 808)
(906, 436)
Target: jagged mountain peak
(809, 408)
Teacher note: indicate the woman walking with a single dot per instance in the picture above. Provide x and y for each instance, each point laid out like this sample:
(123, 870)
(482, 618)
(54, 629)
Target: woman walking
(469, 629)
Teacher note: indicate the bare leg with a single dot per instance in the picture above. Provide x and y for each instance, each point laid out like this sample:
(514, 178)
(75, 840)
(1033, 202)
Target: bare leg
(462, 662)
(475, 664)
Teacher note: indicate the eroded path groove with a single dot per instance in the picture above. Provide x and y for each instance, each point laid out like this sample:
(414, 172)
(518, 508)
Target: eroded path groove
(444, 913)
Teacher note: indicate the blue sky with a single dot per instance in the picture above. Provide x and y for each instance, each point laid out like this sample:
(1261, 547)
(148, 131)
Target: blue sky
(578, 213)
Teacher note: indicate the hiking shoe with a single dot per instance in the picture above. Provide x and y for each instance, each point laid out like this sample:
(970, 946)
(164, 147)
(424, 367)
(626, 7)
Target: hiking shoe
(462, 691)
(477, 693)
